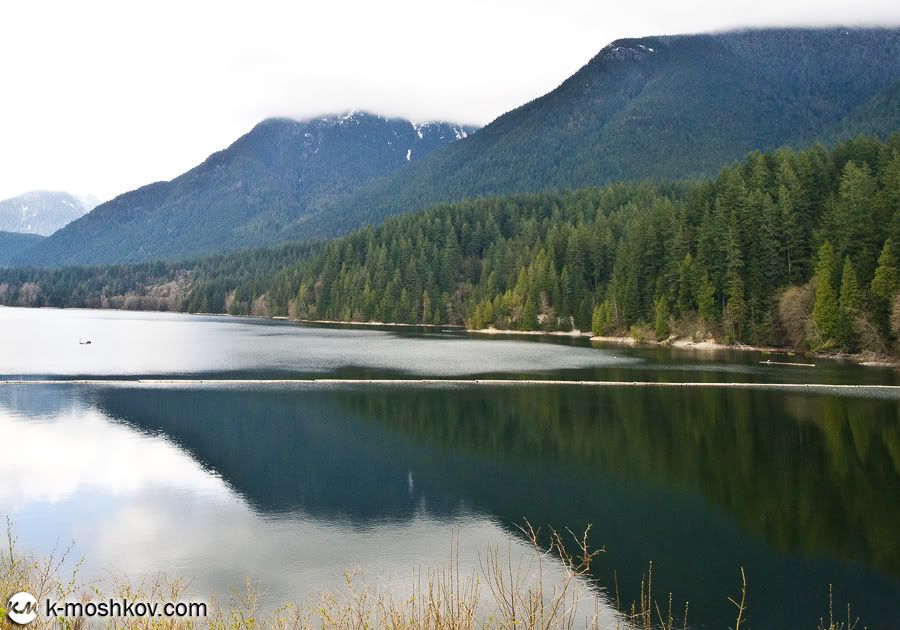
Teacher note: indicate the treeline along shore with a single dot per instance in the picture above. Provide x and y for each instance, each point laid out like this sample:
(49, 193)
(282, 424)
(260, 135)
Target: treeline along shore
(788, 249)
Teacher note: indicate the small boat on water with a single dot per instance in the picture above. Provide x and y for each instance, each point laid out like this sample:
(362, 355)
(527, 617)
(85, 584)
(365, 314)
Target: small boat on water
(84, 342)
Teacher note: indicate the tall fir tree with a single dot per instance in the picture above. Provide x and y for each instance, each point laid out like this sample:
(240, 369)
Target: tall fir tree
(851, 302)
(886, 281)
(826, 313)
(735, 307)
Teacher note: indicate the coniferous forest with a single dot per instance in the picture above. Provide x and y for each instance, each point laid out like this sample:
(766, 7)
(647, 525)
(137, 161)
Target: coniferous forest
(796, 248)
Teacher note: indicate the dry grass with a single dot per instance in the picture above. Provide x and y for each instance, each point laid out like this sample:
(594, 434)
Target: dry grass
(548, 589)
(851, 623)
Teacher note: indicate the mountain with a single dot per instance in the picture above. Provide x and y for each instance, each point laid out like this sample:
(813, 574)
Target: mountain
(246, 195)
(657, 107)
(14, 243)
(40, 212)
(743, 256)
(654, 107)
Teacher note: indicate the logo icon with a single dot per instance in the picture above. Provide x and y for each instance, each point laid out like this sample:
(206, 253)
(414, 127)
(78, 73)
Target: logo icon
(22, 608)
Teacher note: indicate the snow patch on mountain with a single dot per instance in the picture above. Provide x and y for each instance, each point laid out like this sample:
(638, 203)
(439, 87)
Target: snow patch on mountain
(623, 50)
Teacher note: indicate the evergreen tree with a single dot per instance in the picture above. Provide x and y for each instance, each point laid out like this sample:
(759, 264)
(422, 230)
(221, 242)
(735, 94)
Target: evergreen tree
(450, 259)
(706, 302)
(850, 304)
(684, 302)
(886, 281)
(599, 319)
(735, 307)
(850, 220)
(826, 313)
(426, 307)
(771, 256)
(788, 200)
(661, 317)
(529, 315)
(885, 286)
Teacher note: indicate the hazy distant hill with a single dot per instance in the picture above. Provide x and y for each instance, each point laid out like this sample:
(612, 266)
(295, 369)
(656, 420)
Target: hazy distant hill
(247, 194)
(40, 212)
(13, 243)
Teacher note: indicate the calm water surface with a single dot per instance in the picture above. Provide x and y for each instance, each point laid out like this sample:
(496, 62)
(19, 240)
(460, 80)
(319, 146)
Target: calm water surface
(291, 485)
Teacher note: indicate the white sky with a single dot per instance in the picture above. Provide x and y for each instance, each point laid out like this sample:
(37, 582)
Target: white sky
(102, 97)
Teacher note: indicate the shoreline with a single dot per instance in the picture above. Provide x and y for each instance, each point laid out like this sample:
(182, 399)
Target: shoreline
(687, 343)
(864, 359)
(352, 323)
(542, 333)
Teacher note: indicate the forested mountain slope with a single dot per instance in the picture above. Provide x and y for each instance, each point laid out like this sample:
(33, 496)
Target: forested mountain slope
(785, 248)
(225, 283)
(657, 107)
(14, 243)
(248, 193)
(794, 248)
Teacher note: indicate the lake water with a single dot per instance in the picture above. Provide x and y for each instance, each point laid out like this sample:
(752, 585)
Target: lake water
(292, 484)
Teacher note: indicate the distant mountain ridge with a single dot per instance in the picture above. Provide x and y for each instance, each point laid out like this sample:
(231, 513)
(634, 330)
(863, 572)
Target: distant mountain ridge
(247, 194)
(41, 211)
(653, 107)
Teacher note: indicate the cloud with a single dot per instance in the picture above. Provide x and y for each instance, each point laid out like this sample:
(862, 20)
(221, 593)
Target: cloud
(85, 453)
(103, 96)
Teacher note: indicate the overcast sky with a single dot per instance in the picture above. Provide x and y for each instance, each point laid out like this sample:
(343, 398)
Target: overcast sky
(102, 97)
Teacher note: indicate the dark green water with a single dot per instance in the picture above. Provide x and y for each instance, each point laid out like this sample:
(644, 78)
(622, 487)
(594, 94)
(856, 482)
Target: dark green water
(293, 484)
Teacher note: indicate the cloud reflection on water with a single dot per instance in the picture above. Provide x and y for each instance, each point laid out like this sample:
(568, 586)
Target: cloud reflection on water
(136, 503)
